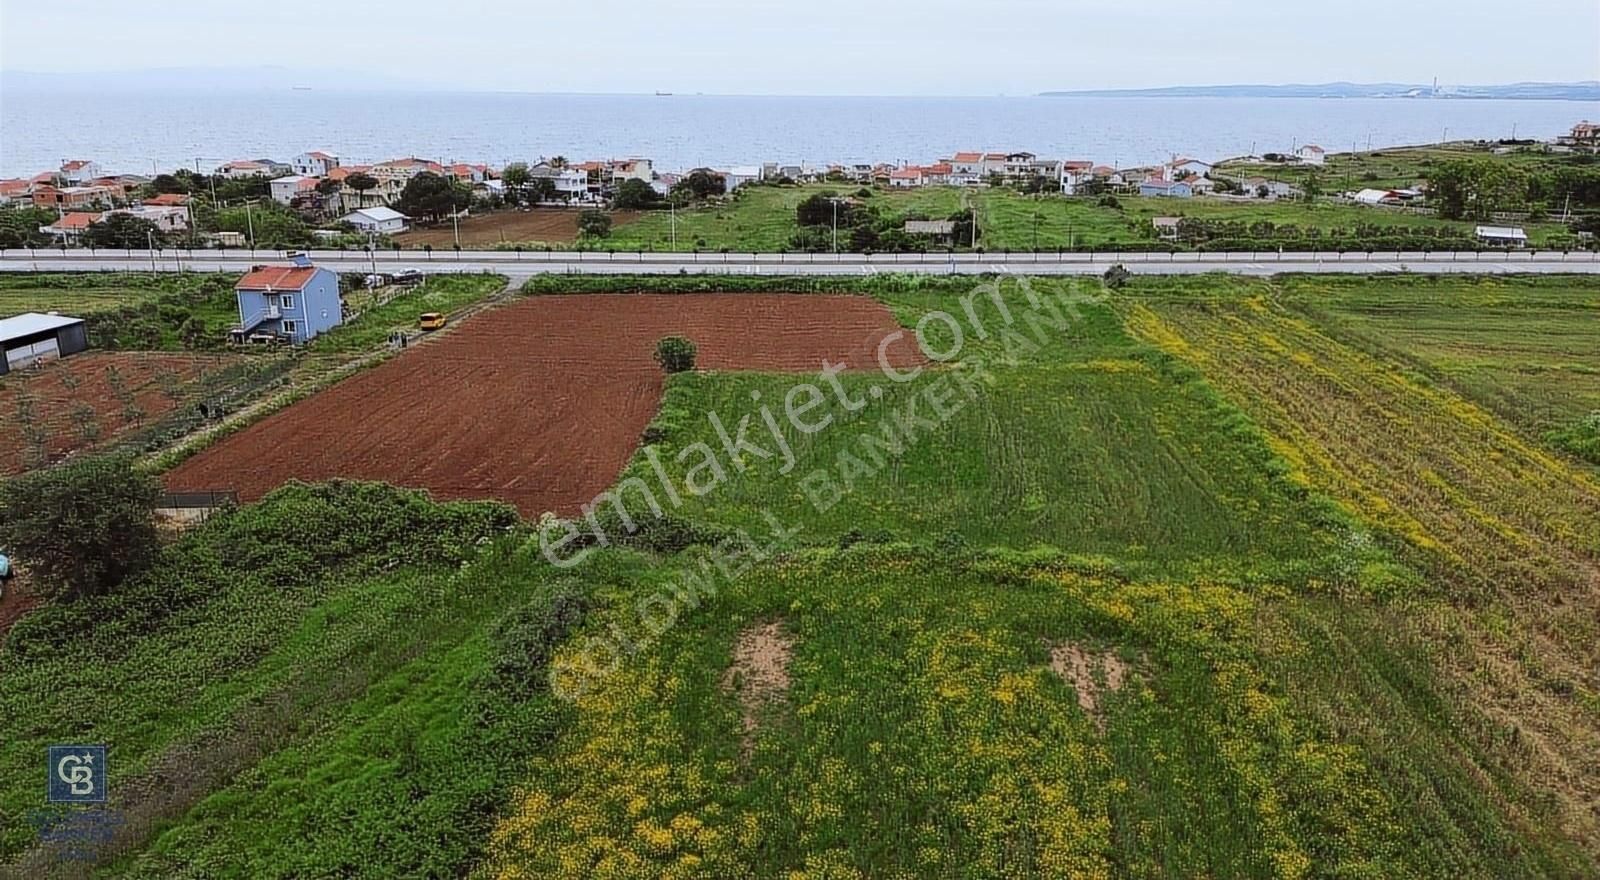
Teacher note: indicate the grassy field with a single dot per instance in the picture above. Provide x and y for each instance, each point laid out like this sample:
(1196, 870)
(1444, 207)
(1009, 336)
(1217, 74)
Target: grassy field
(762, 218)
(1509, 530)
(117, 302)
(1394, 168)
(1206, 577)
(88, 293)
(1529, 350)
(437, 293)
(1006, 219)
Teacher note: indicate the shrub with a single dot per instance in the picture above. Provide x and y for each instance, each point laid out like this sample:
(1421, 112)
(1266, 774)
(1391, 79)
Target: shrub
(83, 528)
(596, 224)
(1116, 276)
(1582, 438)
(675, 354)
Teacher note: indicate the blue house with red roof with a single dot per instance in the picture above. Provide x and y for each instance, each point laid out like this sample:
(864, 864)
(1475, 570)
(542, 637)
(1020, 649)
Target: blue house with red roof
(290, 303)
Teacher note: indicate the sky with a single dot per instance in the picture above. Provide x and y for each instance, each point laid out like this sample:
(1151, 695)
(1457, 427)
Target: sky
(821, 47)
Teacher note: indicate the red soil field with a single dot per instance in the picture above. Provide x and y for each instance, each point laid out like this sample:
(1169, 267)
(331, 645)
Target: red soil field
(552, 225)
(60, 390)
(539, 403)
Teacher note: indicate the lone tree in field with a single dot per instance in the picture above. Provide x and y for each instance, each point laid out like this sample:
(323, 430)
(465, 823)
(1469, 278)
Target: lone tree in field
(675, 354)
(595, 224)
(1116, 276)
(83, 528)
(635, 195)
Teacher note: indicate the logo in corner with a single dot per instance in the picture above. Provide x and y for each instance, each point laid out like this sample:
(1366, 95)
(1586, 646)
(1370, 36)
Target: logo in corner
(77, 774)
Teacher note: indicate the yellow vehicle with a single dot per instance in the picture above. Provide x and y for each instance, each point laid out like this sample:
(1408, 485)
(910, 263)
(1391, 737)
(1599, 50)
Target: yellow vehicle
(431, 321)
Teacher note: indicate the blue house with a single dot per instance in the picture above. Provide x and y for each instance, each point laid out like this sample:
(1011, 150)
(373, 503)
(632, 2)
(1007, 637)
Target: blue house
(292, 303)
(1169, 188)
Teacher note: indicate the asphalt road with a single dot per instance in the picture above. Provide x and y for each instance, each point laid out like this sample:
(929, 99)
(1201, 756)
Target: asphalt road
(521, 265)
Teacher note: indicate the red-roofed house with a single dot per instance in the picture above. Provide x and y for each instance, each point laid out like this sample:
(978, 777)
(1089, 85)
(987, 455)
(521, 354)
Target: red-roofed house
(909, 176)
(79, 171)
(14, 189)
(1311, 154)
(287, 303)
(70, 227)
(68, 198)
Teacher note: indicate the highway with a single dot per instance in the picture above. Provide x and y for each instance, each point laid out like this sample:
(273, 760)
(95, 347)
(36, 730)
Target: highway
(529, 263)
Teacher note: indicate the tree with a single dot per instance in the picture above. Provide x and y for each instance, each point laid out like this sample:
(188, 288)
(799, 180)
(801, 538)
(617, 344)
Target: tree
(596, 224)
(675, 354)
(817, 210)
(82, 528)
(432, 196)
(1116, 276)
(543, 189)
(362, 183)
(516, 178)
(635, 195)
(123, 231)
(702, 184)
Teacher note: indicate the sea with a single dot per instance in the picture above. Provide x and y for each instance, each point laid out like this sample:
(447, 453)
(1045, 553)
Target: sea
(133, 132)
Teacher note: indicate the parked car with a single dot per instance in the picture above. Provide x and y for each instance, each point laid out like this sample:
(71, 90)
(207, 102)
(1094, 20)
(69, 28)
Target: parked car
(431, 321)
(408, 276)
(6, 572)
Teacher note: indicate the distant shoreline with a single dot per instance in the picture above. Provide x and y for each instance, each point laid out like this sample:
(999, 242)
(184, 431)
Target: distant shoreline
(1528, 91)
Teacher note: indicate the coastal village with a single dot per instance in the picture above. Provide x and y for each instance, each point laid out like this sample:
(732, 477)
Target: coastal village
(349, 202)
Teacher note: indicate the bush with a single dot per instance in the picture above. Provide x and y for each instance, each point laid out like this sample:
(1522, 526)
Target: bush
(83, 528)
(675, 354)
(596, 224)
(1116, 276)
(1581, 438)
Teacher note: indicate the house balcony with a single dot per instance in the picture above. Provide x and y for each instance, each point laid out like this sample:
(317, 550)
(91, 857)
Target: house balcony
(258, 317)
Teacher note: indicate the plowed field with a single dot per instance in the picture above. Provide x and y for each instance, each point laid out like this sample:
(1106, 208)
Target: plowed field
(81, 401)
(539, 403)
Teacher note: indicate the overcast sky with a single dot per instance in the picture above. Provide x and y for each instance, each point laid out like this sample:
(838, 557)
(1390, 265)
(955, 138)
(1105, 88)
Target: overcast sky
(824, 47)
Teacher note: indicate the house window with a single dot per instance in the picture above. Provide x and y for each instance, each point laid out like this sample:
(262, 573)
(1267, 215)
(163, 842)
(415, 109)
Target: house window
(290, 327)
(286, 301)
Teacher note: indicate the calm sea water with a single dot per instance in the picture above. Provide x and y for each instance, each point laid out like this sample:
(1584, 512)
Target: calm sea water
(134, 132)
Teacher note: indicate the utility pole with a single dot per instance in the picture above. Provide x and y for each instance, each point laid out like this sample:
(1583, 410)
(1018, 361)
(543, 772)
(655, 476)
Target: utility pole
(835, 201)
(150, 245)
(672, 208)
(250, 224)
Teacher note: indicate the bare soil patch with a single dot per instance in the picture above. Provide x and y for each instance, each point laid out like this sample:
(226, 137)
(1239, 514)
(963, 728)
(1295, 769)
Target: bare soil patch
(538, 403)
(552, 225)
(759, 675)
(81, 401)
(1091, 675)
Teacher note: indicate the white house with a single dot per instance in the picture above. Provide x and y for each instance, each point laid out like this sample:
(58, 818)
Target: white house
(79, 171)
(314, 164)
(571, 184)
(1377, 197)
(1180, 167)
(377, 221)
(167, 218)
(253, 168)
(1311, 154)
(285, 189)
(739, 175)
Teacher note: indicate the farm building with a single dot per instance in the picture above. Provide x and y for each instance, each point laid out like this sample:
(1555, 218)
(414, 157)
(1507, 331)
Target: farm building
(287, 303)
(1503, 236)
(939, 230)
(382, 221)
(31, 338)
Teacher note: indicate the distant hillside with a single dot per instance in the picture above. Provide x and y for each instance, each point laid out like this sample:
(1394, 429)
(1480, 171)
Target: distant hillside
(1588, 90)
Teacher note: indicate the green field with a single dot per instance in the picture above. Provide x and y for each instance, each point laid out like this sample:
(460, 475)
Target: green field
(115, 302)
(762, 218)
(1203, 577)
(437, 293)
(1527, 349)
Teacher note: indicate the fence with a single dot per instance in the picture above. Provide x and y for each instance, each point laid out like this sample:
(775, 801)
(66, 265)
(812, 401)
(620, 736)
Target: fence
(196, 504)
